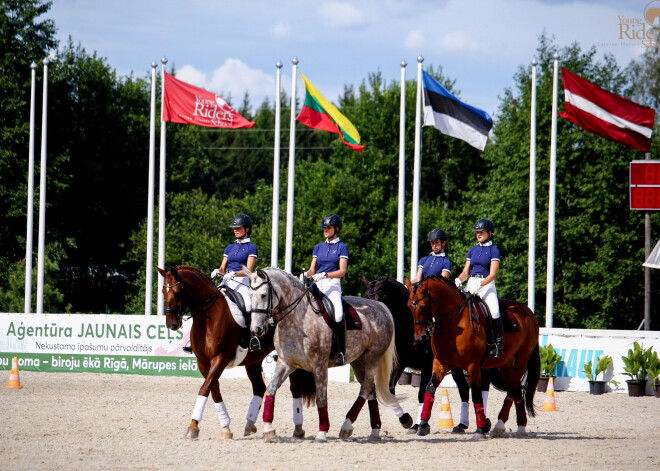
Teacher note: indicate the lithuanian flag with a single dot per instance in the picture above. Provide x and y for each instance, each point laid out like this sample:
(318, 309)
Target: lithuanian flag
(319, 113)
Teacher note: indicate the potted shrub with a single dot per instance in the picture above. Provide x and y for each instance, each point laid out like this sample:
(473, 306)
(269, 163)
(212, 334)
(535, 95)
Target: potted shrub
(597, 386)
(654, 372)
(635, 365)
(549, 361)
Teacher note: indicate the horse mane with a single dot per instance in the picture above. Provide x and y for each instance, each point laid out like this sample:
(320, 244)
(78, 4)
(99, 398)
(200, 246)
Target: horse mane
(286, 274)
(196, 271)
(403, 291)
(448, 281)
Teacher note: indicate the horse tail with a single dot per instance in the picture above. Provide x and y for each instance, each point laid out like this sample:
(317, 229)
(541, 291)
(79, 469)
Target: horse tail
(533, 373)
(382, 378)
(304, 386)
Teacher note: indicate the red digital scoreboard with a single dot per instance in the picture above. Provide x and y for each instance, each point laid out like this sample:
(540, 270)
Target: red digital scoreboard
(645, 184)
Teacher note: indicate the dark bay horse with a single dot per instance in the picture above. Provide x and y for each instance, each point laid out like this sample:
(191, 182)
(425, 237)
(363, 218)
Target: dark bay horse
(303, 340)
(459, 337)
(410, 355)
(214, 338)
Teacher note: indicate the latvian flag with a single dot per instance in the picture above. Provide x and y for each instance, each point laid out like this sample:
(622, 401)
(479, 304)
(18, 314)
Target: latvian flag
(445, 112)
(606, 114)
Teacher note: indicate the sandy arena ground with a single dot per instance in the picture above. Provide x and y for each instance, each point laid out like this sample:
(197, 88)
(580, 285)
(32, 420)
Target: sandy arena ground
(94, 421)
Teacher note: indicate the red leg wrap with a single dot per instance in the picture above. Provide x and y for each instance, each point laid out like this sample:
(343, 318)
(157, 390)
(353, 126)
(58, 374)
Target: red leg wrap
(428, 405)
(506, 407)
(374, 414)
(355, 410)
(269, 406)
(324, 422)
(481, 416)
(521, 416)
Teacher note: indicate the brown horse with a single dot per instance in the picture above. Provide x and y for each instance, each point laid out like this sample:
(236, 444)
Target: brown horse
(459, 338)
(214, 338)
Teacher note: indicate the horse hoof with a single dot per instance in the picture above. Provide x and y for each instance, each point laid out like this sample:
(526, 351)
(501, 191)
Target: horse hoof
(192, 433)
(269, 436)
(298, 432)
(226, 434)
(375, 435)
(498, 433)
(322, 437)
(485, 429)
(460, 428)
(346, 429)
(250, 429)
(424, 429)
(413, 430)
(406, 421)
(521, 432)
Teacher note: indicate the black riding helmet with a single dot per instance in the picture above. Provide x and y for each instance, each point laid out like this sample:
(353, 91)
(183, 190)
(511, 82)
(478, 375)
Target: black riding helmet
(242, 220)
(331, 219)
(437, 234)
(484, 225)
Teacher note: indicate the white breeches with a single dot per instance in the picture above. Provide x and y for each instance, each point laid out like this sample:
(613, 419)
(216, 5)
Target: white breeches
(241, 284)
(489, 295)
(331, 287)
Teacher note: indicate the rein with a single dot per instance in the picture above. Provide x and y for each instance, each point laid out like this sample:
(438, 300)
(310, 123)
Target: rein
(180, 310)
(272, 317)
(431, 323)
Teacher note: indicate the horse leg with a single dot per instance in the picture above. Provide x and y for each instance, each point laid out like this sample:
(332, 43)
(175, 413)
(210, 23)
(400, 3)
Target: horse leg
(296, 382)
(347, 427)
(321, 380)
(282, 371)
(464, 391)
(521, 416)
(437, 375)
(258, 390)
(211, 371)
(404, 418)
(483, 423)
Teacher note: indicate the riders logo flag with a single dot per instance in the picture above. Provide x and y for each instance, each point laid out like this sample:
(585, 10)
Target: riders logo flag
(604, 113)
(319, 113)
(187, 104)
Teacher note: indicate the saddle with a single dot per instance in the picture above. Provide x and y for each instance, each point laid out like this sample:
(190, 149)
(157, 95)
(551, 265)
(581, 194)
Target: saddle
(509, 321)
(327, 310)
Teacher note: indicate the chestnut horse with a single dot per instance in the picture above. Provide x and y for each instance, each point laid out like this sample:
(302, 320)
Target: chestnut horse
(303, 340)
(214, 337)
(459, 337)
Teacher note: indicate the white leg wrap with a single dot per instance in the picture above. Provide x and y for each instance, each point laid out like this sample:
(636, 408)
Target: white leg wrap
(296, 407)
(198, 411)
(396, 407)
(223, 416)
(465, 414)
(253, 409)
(419, 413)
(484, 397)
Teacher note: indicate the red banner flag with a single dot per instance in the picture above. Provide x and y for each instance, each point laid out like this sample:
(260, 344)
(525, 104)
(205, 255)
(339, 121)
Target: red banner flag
(604, 113)
(187, 104)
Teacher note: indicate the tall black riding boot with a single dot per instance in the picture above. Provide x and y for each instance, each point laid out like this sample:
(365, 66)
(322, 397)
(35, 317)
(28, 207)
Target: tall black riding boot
(254, 343)
(340, 331)
(498, 333)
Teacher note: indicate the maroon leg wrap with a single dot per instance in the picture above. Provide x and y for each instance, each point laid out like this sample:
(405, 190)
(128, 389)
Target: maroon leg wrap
(506, 407)
(355, 410)
(481, 416)
(428, 405)
(374, 414)
(521, 416)
(269, 406)
(324, 422)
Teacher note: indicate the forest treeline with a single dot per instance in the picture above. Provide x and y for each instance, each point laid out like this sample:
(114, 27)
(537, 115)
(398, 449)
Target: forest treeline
(98, 137)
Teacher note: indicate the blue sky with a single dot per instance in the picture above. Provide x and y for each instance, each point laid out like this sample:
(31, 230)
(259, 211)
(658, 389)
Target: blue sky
(229, 47)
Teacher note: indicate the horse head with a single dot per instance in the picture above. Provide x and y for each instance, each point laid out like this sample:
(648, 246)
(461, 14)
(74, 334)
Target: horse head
(262, 294)
(419, 303)
(173, 292)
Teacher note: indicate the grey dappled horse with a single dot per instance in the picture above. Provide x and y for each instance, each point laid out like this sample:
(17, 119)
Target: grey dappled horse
(303, 340)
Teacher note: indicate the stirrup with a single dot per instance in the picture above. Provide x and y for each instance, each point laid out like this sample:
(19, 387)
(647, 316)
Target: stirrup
(341, 359)
(187, 349)
(255, 344)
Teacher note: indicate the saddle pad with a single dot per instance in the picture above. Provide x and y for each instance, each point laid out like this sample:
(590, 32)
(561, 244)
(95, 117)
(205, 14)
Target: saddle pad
(351, 317)
(236, 312)
(509, 321)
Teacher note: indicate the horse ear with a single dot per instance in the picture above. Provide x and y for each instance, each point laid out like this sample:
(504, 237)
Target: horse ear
(407, 282)
(252, 276)
(162, 272)
(364, 280)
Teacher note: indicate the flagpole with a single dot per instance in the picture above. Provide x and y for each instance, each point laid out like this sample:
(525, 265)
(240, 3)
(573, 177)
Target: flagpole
(42, 196)
(531, 275)
(30, 197)
(402, 177)
(292, 171)
(275, 232)
(149, 269)
(551, 203)
(161, 198)
(416, 172)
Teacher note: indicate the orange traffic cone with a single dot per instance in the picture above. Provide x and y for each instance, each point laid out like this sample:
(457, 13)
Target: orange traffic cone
(549, 403)
(446, 421)
(14, 379)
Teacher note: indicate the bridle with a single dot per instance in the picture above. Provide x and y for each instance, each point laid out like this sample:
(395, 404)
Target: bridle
(273, 317)
(181, 309)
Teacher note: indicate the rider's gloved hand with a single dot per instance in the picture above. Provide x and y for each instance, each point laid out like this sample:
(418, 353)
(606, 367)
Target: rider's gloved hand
(458, 283)
(228, 276)
(215, 273)
(473, 285)
(319, 276)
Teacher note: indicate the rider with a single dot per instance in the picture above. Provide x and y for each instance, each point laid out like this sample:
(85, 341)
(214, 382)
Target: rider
(483, 262)
(437, 262)
(328, 267)
(241, 252)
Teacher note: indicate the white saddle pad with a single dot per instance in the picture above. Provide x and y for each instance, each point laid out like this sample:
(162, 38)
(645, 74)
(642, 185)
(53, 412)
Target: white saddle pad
(241, 353)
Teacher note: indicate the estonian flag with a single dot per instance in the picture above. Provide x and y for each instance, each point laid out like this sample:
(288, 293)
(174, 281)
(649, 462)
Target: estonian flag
(445, 112)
